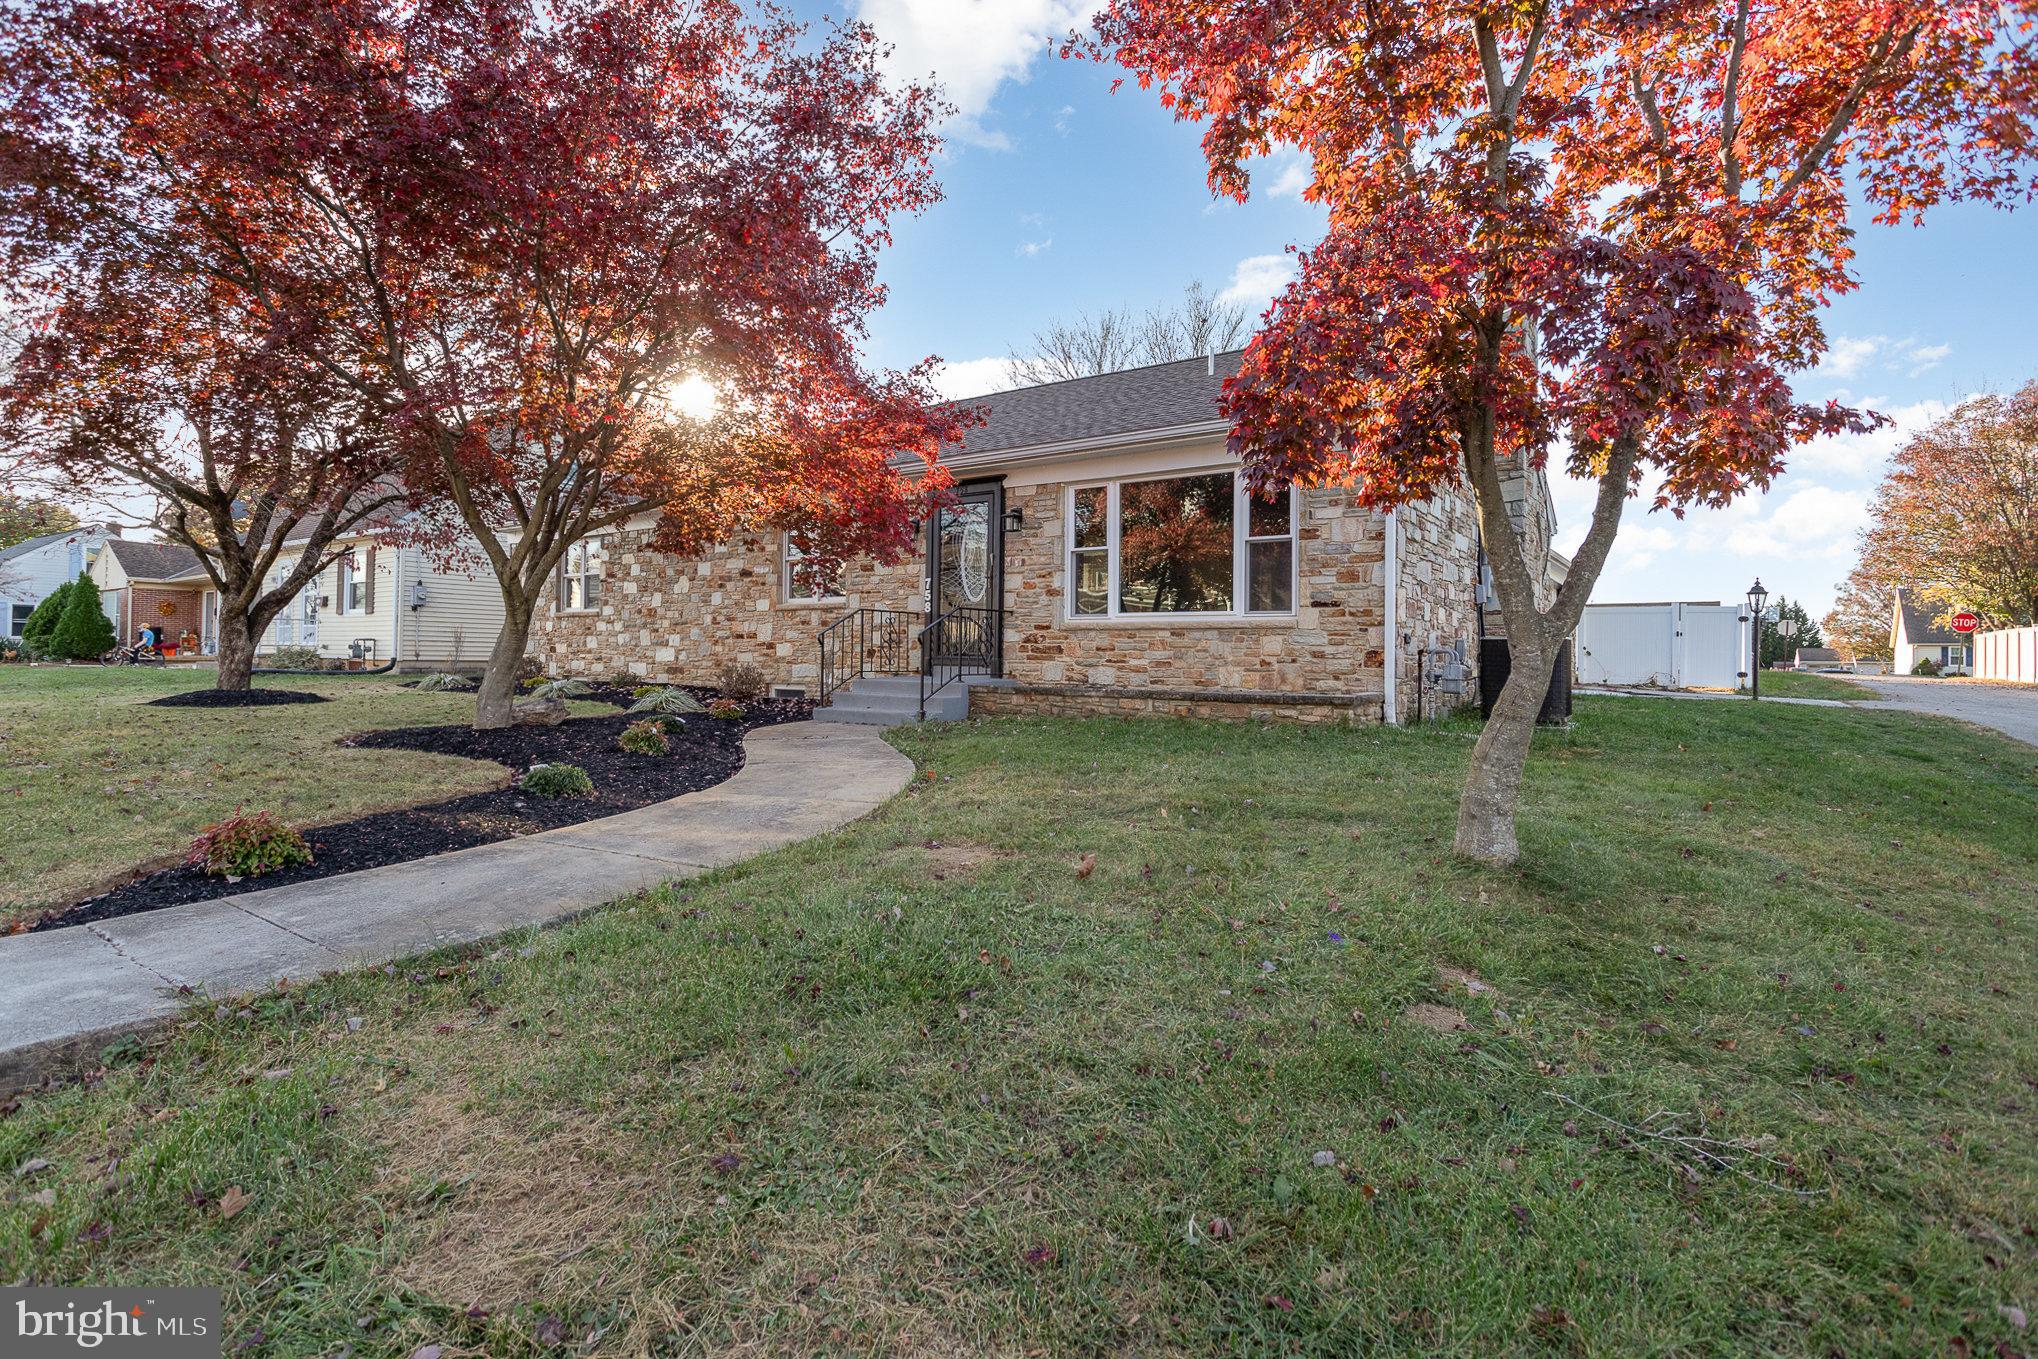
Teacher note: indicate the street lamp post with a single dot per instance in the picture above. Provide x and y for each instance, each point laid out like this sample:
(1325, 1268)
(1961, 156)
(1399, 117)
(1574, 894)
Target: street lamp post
(1758, 598)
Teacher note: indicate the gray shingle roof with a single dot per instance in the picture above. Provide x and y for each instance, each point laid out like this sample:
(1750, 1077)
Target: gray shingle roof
(28, 545)
(1161, 396)
(152, 561)
(1920, 627)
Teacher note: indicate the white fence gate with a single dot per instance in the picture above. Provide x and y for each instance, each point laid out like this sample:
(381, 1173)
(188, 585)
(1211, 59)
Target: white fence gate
(1668, 646)
(2010, 654)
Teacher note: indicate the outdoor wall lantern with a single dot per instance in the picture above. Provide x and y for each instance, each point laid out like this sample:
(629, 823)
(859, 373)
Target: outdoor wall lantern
(1015, 519)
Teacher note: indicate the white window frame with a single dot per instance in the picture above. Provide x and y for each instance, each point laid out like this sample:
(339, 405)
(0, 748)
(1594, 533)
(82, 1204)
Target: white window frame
(1241, 536)
(790, 555)
(591, 542)
(348, 584)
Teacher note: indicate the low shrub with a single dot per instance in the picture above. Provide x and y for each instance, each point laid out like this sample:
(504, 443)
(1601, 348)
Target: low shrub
(670, 725)
(1928, 666)
(557, 780)
(247, 845)
(669, 698)
(293, 658)
(644, 738)
(727, 709)
(444, 681)
(740, 680)
(559, 688)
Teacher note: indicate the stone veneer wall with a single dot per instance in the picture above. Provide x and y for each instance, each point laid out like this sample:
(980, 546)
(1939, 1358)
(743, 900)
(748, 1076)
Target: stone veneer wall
(680, 619)
(1079, 700)
(1438, 604)
(1334, 644)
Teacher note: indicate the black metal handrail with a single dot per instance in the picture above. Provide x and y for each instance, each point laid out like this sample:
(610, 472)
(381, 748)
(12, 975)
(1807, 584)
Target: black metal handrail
(962, 642)
(866, 642)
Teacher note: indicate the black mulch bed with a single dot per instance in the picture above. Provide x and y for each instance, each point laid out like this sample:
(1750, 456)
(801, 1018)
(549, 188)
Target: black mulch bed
(709, 751)
(233, 698)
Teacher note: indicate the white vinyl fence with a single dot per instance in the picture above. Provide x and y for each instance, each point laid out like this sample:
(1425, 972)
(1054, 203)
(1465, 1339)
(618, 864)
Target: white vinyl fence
(2010, 654)
(1668, 646)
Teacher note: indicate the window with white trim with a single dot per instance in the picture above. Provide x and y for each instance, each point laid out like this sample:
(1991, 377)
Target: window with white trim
(1180, 546)
(353, 591)
(807, 578)
(580, 574)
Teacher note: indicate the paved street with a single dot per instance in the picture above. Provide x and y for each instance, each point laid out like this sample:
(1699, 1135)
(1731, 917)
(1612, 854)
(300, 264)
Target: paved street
(2011, 709)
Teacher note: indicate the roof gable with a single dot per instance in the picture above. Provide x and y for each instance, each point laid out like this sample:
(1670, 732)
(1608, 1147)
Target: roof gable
(153, 561)
(1918, 624)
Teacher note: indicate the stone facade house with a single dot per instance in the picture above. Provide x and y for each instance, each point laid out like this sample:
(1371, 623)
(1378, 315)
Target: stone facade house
(1101, 556)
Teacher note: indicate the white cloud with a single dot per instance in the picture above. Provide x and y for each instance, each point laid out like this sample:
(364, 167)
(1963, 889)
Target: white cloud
(1287, 175)
(972, 47)
(1257, 278)
(1927, 357)
(1848, 355)
(971, 377)
(1851, 355)
(1031, 248)
(1810, 523)
(1862, 455)
(1062, 116)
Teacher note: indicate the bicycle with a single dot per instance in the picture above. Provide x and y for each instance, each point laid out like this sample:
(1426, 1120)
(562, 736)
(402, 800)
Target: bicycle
(133, 655)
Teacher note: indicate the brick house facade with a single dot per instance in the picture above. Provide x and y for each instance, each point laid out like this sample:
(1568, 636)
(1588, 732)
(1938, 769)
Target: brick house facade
(1316, 610)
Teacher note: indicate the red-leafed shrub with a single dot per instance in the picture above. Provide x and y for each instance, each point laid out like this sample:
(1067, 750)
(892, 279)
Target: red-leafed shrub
(247, 845)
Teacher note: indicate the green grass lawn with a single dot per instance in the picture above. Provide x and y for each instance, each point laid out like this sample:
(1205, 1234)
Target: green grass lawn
(943, 1084)
(96, 783)
(1794, 684)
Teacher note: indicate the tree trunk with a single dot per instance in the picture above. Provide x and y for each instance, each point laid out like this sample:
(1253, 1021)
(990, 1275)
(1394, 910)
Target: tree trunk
(236, 651)
(1486, 809)
(499, 681)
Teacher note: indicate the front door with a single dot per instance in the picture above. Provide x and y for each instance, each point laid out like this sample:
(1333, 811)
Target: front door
(966, 569)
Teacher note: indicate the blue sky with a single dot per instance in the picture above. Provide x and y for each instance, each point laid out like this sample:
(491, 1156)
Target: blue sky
(1062, 197)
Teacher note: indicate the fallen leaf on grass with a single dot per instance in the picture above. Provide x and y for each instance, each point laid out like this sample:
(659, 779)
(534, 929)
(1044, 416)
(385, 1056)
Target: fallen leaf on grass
(233, 1200)
(551, 1331)
(1086, 866)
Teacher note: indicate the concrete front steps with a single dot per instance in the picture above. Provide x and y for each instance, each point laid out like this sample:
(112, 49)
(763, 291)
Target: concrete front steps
(893, 700)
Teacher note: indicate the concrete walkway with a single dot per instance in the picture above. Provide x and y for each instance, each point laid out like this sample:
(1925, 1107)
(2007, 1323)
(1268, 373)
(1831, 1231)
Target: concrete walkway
(64, 993)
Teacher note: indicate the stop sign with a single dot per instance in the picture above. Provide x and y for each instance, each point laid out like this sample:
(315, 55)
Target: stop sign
(1965, 622)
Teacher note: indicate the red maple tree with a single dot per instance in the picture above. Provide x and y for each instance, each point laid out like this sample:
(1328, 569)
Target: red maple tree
(136, 378)
(1602, 230)
(1955, 520)
(510, 228)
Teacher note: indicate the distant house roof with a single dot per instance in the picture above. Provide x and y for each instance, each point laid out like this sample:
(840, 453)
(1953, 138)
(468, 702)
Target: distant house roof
(1817, 655)
(28, 545)
(153, 561)
(1921, 626)
(1161, 396)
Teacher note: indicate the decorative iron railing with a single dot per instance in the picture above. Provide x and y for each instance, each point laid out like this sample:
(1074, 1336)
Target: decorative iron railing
(960, 643)
(866, 642)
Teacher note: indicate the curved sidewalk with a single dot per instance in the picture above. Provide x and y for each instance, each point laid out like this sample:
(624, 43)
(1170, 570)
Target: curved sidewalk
(65, 992)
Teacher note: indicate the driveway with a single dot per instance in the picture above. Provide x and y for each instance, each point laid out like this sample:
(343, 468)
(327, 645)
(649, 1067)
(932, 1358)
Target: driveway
(2010, 709)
